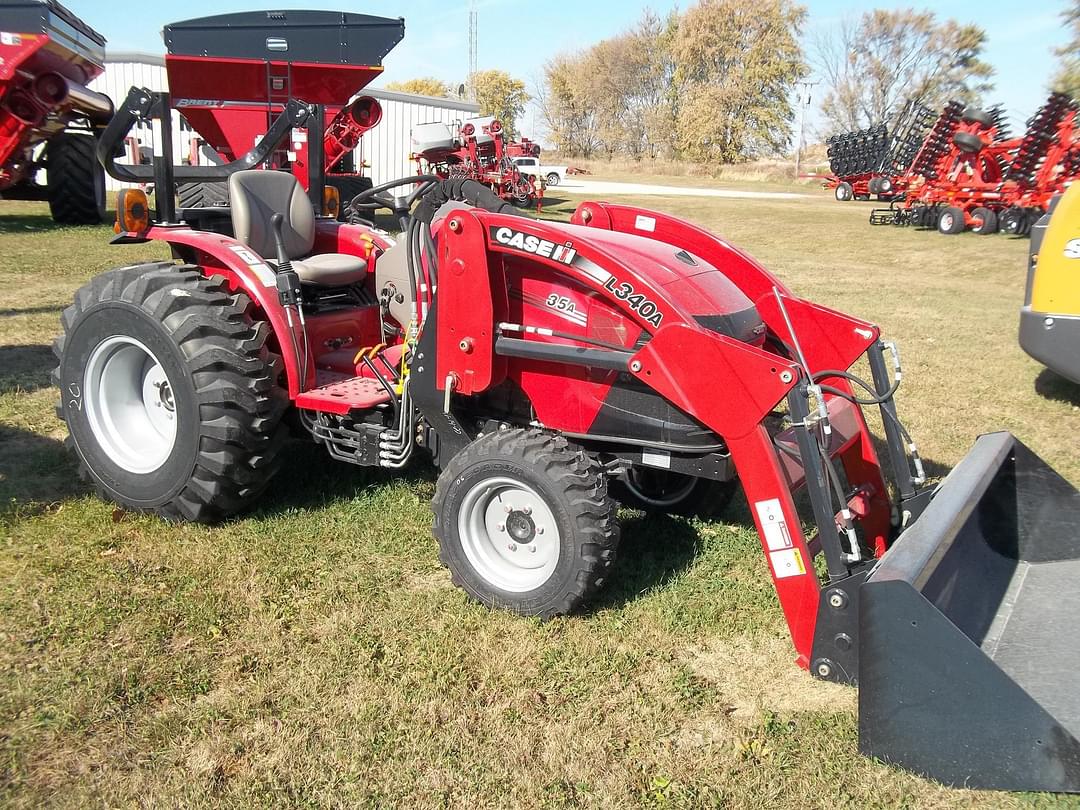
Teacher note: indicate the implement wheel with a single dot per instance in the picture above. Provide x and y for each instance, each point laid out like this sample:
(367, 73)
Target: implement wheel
(844, 192)
(987, 221)
(951, 220)
(524, 522)
(1012, 221)
(169, 393)
(655, 490)
(967, 142)
(974, 115)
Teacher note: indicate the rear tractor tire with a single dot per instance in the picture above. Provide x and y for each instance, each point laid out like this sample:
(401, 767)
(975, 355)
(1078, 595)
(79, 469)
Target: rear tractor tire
(661, 491)
(169, 393)
(951, 220)
(76, 180)
(203, 195)
(987, 221)
(524, 522)
(844, 192)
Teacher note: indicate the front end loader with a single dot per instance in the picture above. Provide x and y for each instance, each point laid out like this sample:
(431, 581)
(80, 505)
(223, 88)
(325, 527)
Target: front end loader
(545, 367)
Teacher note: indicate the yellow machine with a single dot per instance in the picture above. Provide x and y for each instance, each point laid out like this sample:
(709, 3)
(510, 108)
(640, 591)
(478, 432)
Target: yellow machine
(1050, 318)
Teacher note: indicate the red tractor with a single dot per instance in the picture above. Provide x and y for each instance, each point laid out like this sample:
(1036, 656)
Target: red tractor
(49, 119)
(546, 369)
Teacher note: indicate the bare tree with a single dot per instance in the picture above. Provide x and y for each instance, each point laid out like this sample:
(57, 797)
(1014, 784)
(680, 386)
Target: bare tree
(873, 66)
(1067, 78)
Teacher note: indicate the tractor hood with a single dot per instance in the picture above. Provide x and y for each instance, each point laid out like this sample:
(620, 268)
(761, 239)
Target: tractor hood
(699, 288)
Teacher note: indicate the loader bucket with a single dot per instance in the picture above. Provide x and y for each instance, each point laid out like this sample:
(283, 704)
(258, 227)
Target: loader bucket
(969, 660)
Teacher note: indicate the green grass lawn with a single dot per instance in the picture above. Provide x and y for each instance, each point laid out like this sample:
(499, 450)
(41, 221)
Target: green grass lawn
(314, 653)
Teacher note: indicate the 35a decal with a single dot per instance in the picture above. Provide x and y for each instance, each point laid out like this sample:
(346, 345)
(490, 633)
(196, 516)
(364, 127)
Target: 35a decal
(561, 303)
(624, 291)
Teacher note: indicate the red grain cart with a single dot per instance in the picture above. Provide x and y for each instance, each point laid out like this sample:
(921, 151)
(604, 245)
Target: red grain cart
(232, 74)
(49, 119)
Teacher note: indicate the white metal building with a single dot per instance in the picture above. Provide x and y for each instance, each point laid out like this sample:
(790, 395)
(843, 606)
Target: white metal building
(385, 148)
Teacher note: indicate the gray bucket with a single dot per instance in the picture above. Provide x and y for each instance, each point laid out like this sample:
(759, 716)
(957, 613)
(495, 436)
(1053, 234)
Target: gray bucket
(969, 661)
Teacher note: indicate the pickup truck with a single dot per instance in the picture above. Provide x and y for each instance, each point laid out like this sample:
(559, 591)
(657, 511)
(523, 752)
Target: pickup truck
(531, 168)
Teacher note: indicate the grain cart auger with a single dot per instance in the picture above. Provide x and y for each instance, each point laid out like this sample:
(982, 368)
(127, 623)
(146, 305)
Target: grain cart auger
(538, 362)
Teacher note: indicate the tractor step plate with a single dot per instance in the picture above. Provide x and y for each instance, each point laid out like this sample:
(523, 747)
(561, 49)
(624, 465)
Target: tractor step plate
(340, 394)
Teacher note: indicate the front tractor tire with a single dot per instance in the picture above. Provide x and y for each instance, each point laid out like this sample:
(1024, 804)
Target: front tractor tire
(75, 180)
(524, 522)
(169, 393)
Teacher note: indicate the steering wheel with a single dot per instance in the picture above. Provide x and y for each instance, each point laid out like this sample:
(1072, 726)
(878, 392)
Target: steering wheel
(374, 198)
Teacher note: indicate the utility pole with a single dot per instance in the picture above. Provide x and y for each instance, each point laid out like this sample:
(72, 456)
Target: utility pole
(804, 102)
(472, 49)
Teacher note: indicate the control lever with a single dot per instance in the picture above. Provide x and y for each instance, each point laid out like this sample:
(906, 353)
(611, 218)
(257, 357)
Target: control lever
(288, 282)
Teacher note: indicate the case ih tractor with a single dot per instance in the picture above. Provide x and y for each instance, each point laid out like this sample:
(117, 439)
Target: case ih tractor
(262, 75)
(545, 368)
(49, 119)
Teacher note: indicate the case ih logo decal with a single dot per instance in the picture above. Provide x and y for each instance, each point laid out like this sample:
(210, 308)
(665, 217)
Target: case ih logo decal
(528, 243)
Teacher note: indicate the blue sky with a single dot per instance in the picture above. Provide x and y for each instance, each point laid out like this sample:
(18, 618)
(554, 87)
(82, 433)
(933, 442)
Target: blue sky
(520, 36)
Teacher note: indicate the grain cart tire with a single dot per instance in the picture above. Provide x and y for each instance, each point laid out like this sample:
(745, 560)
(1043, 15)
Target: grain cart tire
(553, 179)
(76, 180)
(973, 115)
(348, 188)
(844, 192)
(656, 490)
(967, 142)
(524, 522)
(202, 195)
(951, 220)
(169, 393)
(989, 221)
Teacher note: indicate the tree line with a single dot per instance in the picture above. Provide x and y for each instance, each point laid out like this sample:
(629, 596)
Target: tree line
(717, 83)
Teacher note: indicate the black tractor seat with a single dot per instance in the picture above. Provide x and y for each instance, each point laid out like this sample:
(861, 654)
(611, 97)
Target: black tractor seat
(255, 196)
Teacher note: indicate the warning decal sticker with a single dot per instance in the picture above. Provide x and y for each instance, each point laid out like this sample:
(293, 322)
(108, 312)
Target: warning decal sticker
(786, 563)
(771, 517)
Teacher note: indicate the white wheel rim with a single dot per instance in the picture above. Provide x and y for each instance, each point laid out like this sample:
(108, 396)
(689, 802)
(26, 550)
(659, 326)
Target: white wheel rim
(637, 484)
(509, 534)
(129, 404)
(946, 222)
